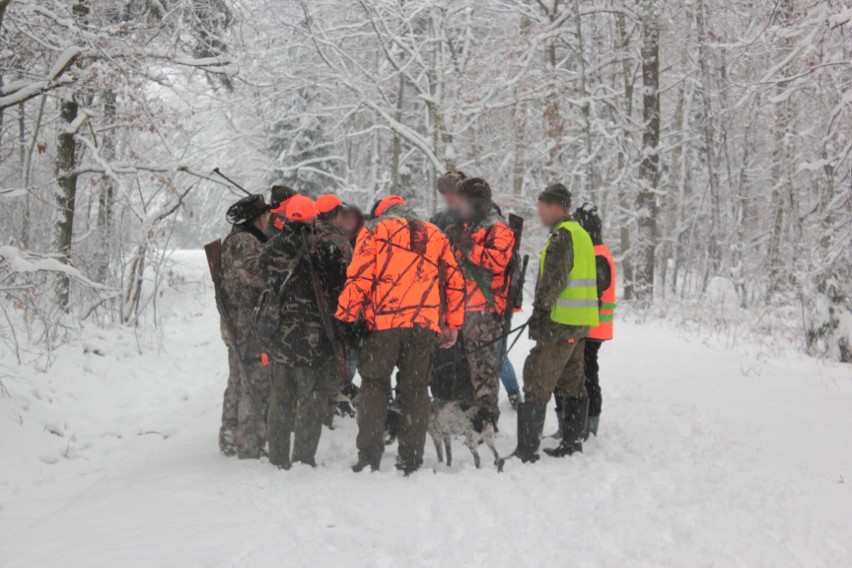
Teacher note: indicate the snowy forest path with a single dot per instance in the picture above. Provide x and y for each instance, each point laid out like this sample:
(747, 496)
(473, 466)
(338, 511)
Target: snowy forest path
(706, 456)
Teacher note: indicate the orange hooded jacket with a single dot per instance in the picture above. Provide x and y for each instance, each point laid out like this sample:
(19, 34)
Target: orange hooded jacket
(403, 274)
(489, 256)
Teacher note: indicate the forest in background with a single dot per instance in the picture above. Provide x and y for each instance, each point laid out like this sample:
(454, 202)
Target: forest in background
(714, 136)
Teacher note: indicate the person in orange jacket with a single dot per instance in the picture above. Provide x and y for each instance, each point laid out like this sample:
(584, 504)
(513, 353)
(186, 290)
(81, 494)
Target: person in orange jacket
(587, 216)
(405, 285)
(483, 244)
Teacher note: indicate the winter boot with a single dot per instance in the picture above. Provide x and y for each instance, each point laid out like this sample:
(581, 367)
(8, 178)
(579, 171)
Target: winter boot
(560, 404)
(530, 424)
(592, 426)
(226, 442)
(575, 413)
(365, 461)
(407, 467)
(515, 400)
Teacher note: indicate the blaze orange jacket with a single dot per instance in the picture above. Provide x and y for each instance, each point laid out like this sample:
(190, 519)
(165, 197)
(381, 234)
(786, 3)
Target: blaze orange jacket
(485, 265)
(403, 274)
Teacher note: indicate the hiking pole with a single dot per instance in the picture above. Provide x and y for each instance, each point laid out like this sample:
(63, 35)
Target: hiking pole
(232, 182)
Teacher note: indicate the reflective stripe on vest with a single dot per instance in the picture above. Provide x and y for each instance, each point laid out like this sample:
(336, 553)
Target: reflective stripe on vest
(604, 331)
(577, 304)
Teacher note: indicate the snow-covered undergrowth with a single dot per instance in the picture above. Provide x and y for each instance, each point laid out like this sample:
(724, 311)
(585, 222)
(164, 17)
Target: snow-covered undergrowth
(709, 455)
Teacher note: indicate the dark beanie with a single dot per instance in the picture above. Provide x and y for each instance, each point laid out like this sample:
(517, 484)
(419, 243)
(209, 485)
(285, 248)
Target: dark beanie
(475, 189)
(280, 193)
(557, 194)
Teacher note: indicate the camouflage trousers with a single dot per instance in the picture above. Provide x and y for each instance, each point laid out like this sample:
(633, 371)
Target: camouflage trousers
(555, 365)
(244, 407)
(229, 405)
(298, 404)
(481, 329)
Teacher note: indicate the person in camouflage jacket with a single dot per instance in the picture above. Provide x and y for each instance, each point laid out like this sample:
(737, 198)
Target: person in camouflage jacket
(243, 428)
(301, 352)
(483, 244)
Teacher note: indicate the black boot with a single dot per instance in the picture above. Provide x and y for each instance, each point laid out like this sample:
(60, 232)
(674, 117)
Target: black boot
(575, 415)
(530, 424)
(592, 426)
(560, 404)
(364, 462)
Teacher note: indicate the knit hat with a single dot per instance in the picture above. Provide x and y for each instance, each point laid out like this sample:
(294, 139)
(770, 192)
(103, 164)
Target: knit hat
(449, 182)
(384, 204)
(279, 194)
(475, 189)
(328, 203)
(557, 194)
(301, 209)
(246, 210)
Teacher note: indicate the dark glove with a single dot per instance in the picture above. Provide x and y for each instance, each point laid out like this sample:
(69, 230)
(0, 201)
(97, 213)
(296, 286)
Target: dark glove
(536, 326)
(347, 332)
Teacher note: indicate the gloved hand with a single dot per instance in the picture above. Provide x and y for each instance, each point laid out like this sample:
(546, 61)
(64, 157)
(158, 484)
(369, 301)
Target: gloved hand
(536, 326)
(347, 332)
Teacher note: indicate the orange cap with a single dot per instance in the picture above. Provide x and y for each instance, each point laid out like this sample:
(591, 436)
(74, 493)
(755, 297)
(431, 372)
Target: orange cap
(282, 207)
(387, 202)
(301, 209)
(328, 202)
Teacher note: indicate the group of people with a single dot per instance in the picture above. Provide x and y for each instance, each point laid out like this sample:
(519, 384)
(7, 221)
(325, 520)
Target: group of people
(308, 291)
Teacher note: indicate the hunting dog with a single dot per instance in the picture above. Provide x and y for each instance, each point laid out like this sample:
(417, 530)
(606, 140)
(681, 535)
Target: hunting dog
(457, 418)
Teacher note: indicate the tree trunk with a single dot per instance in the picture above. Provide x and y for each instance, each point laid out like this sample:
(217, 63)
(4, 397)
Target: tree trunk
(66, 179)
(780, 166)
(646, 200)
(106, 195)
(623, 195)
(709, 138)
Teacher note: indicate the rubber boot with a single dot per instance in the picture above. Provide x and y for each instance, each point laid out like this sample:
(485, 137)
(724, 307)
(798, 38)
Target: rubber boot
(560, 405)
(530, 424)
(592, 426)
(365, 461)
(575, 415)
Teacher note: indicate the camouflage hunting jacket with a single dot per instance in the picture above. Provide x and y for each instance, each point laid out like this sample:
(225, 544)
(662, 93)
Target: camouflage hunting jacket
(240, 287)
(286, 266)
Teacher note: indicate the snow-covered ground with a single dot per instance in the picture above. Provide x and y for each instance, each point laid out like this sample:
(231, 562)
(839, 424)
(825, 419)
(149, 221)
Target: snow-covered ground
(706, 457)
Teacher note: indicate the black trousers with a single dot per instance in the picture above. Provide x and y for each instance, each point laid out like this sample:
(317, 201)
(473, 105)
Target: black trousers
(593, 384)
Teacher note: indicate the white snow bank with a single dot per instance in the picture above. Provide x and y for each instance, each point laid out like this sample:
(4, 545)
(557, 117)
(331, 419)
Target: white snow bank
(706, 457)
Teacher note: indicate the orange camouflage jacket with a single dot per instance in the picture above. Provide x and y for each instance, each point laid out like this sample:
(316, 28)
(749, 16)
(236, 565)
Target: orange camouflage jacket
(403, 274)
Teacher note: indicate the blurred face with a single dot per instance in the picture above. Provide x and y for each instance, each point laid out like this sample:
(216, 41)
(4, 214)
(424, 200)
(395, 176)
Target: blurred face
(551, 213)
(465, 209)
(349, 222)
(262, 221)
(453, 201)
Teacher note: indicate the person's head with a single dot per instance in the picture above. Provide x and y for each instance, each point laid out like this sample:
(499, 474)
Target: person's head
(330, 209)
(250, 211)
(554, 204)
(301, 209)
(280, 195)
(351, 220)
(448, 187)
(381, 206)
(474, 198)
(587, 216)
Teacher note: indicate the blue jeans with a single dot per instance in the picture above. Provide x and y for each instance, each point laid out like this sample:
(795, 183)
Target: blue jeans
(508, 376)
